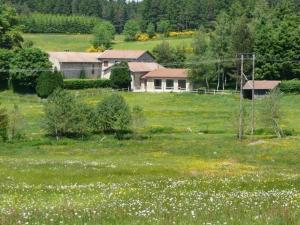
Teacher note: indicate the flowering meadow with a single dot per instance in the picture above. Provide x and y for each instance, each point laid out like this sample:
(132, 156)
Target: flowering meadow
(185, 167)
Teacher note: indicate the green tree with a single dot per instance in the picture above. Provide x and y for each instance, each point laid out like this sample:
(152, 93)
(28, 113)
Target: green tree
(47, 82)
(27, 65)
(16, 123)
(113, 114)
(163, 27)
(5, 58)
(138, 118)
(103, 35)
(9, 32)
(131, 29)
(151, 30)
(4, 121)
(169, 56)
(271, 114)
(120, 76)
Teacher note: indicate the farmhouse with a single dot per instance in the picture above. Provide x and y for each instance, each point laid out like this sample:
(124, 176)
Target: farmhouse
(166, 80)
(111, 57)
(72, 64)
(261, 88)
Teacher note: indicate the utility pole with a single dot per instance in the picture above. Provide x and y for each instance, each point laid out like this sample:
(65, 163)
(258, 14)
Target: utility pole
(241, 120)
(253, 97)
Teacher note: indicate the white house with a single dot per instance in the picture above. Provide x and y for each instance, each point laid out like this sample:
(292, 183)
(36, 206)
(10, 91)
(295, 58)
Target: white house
(71, 64)
(111, 57)
(166, 80)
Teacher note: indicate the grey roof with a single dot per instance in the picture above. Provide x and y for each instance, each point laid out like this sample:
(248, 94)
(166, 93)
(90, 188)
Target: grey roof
(122, 54)
(74, 57)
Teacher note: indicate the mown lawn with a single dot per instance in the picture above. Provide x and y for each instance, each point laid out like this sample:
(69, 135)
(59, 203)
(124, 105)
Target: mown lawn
(186, 167)
(72, 42)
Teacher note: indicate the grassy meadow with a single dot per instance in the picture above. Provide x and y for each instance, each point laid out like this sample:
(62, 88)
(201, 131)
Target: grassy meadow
(81, 42)
(185, 167)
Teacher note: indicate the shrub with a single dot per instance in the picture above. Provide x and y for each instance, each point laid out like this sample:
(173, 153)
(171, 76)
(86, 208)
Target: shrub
(113, 114)
(5, 58)
(103, 35)
(28, 64)
(4, 121)
(77, 84)
(142, 37)
(64, 116)
(16, 124)
(163, 26)
(120, 76)
(291, 86)
(48, 82)
(131, 29)
(151, 30)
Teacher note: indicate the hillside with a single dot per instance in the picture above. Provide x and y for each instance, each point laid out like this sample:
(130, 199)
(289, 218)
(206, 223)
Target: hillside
(72, 42)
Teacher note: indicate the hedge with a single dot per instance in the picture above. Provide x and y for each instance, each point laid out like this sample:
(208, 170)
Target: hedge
(291, 86)
(77, 84)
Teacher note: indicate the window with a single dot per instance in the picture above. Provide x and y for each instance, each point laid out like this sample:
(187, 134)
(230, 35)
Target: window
(170, 84)
(105, 63)
(182, 84)
(93, 69)
(157, 84)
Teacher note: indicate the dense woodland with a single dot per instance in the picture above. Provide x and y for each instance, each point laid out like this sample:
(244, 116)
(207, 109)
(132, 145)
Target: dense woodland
(182, 14)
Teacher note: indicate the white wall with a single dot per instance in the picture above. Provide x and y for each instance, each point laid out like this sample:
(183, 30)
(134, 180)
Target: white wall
(150, 86)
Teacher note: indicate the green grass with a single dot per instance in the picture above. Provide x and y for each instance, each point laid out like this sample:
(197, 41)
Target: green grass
(185, 168)
(61, 42)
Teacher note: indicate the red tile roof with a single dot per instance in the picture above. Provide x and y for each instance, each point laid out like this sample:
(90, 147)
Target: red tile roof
(167, 73)
(262, 85)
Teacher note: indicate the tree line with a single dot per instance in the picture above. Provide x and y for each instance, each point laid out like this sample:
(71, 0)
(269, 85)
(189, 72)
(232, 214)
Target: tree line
(180, 14)
(54, 23)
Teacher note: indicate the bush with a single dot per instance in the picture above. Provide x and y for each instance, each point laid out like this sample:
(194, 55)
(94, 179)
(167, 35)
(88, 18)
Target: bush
(120, 76)
(103, 35)
(78, 84)
(142, 37)
(131, 29)
(48, 82)
(113, 114)
(5, 57)
(291, 86)
(64, 116)
(28, 64)
(4, 121)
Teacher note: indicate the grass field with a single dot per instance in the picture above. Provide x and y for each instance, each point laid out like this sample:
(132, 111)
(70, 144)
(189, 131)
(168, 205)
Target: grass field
(61, 42)
(185, 168)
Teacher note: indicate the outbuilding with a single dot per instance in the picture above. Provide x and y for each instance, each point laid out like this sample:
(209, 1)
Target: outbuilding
(261, 88)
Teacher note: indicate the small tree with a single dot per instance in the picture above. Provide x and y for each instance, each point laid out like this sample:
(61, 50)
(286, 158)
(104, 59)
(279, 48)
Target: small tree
(271, 115)
(131, 29)
(113, 114)
(16, 123)
(58, 113)
(48, 82)
(163, 27)
(151, 30)
(138, 117)
(120, 76)
(169, 56)
(5, 58)
(3, 124)
(103, 35)
(82, 74)
(27, 65)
